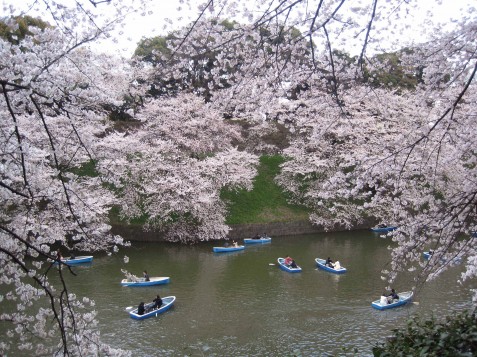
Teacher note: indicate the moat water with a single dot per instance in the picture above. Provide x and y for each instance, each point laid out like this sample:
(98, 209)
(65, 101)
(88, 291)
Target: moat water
(242, 304)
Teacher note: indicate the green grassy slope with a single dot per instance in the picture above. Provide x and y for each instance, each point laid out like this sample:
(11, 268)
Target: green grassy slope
(267, 202)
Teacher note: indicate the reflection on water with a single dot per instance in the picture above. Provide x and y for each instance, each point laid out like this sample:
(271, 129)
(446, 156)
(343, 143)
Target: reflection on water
(242, 304)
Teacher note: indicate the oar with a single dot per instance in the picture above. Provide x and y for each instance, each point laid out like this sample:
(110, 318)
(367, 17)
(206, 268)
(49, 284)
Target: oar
(271, 263)
(129, 308)
(415, 302)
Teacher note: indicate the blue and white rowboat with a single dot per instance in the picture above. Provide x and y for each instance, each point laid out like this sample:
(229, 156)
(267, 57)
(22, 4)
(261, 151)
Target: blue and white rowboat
(454, 261)
(427, 255)
(167, 303)
(283, 266)
(384, 229)
(382, 304)
(321, 263)
(158, 280)
(77, 260)
(228, 249)
(257, 240)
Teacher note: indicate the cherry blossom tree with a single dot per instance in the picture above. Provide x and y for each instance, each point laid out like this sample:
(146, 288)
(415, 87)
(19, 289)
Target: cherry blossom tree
(174, 165)
(64, 104)
(400, 156)
(357, 150)
(361, 149)
(392, 154)
(54, 93)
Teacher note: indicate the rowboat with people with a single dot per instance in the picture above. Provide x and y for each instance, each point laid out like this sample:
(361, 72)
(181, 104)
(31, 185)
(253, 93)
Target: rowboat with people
(381, 228)
(158, 280)
(259, 240)
(336, 268)
(77, 260)
(150, 311)
(385, 302)
(287, 267)
(228, 249)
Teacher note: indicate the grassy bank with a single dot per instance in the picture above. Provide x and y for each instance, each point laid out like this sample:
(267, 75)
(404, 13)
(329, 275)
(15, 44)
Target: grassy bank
(266, 203)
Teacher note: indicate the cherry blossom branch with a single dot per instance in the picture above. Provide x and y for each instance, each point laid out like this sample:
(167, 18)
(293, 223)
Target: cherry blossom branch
(57, 165)
(368, 31)
(191, 28)
(17, 134)
(11, 189)
(277, 11)
(310, 34)
(35, 248)
(450, 110)
(64, 54)
(333, 80)
(57, 317)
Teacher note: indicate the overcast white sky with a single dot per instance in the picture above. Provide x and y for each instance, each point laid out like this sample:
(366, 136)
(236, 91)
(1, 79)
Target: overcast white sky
(138, 26)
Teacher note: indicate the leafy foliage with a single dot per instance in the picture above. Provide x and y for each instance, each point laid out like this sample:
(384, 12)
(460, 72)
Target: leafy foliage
(390, 71)
(454, 337)
(17, 28)
(151, 49)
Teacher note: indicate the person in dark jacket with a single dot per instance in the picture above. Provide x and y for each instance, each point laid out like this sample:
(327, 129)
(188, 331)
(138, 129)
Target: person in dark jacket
(157, 302)
(392, 296)
(146, 276)
(140, 309)
(329, 263)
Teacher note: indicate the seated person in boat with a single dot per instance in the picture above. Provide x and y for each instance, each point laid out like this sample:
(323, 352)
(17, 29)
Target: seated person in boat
(146, 276)
(290, 262)
(157, 302)
(140, 309)
(129, 277)
(392, 296)
(234, 244)
(264, 235)
(329, 263)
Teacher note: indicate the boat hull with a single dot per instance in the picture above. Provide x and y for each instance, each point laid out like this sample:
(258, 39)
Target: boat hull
(284, 267)
(257, 241)
(228, 249)
(404, 298)
(78, 260)
(167, 303)
(142, 282)
(383, 229)
(454, 261)
(321, 263)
